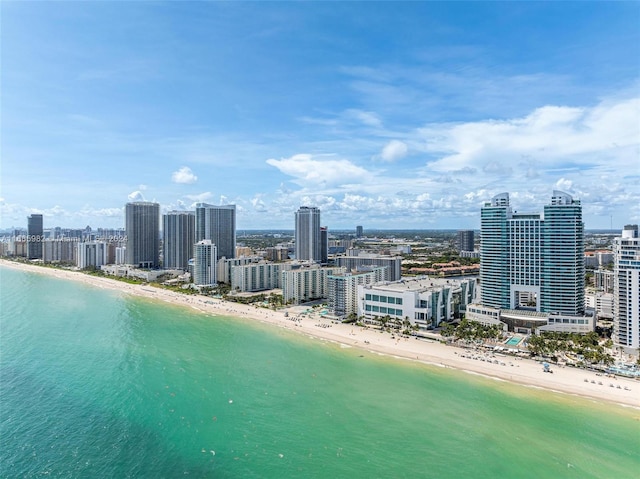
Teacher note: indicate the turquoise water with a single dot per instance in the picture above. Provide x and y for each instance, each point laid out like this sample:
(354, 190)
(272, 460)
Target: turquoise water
(513, 341)
(98, 384)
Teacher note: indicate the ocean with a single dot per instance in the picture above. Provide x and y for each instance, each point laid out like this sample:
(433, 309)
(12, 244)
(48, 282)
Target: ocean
(98, 384)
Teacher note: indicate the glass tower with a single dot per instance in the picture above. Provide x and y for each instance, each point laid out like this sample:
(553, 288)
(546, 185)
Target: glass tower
(218, 224)
(142, 222)
(530, 259)
(308, 236)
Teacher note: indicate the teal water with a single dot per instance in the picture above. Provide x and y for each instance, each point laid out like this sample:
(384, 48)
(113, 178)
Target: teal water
(97, 384)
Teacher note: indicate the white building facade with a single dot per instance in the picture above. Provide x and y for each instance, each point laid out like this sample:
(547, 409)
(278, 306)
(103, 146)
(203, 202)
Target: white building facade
(257, 276)
(91, 254)
(342, 294)
(204, 263)
(626, 312)
(306, 283)
(424, 302)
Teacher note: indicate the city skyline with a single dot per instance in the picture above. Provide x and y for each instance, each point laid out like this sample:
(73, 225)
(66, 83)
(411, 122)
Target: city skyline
(391, 116)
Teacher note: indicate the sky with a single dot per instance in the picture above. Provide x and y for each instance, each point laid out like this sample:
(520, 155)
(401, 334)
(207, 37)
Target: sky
(388, 115)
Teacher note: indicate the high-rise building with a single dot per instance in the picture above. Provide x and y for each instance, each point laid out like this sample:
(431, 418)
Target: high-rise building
(35, 237)
(204, 263)
(218, 224)
(178, 238)
(626, 301)
(91, 254)
(307, 237)
(342, 289)
(359, 232)
(142, 221)
(529, 258)
(465, 240)
(324, 245)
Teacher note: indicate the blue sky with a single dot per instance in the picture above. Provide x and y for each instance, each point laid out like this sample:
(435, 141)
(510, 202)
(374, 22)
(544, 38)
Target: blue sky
(386, 115)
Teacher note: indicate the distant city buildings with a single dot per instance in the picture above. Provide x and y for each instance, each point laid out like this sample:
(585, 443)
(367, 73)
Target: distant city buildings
(35, 236)
(218, 224)
(357, 261)
(142, 221)
(178, 238)
(465, 240)
(627, 288)
(359, 231)
(308, 239)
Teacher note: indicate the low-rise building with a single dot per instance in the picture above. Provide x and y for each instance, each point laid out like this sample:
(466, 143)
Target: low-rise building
(528, 321)
(424, 302)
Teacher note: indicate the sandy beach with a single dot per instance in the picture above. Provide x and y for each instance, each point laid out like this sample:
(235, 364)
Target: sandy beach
(522, 371)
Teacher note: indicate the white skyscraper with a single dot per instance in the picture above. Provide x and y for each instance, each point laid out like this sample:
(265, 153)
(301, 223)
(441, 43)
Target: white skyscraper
(626, 304)
(308, 236)
(204, 263)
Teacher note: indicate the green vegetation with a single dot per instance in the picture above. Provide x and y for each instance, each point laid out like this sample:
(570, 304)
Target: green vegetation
(586, 347)
(470, 331)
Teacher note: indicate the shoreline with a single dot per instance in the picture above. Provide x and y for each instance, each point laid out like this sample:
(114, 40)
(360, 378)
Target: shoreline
(525, 372)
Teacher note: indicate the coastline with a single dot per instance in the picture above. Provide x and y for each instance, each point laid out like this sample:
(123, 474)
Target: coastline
(526, 372)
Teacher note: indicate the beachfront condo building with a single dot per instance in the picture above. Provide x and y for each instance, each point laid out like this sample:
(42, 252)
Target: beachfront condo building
(35, 236)
(257, 276)
(178, 238)
(204, 263)
(342, 289)
(423, 302)
(533, 260)
(63, 250)
(142, 225)
(91, 254)
(218, 224)
(626, 303)
(304, 283)
(307, 234)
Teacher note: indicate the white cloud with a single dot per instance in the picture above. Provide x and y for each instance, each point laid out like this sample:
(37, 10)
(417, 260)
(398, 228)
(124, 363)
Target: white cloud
(550, 136)
(369, 118)
(184, 176)
(308, 170)
(136, 196)
(201, 197)
(393, 151)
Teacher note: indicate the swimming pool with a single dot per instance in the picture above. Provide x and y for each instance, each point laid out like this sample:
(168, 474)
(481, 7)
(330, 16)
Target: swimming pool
(513, 341)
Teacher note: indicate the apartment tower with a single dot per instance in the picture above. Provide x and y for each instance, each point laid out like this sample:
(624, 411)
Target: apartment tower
(178, 238)
(533, 259)
(142, 224)
(626, 296)
(218, 224)
(308, 236)
(35, 236)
